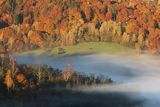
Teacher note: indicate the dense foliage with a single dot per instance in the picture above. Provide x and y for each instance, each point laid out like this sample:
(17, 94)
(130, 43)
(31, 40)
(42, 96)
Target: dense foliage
(28, 24)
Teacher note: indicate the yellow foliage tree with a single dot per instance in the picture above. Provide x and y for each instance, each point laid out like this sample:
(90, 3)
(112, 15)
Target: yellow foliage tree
(21, 79)
(125, 39)
(9, 80)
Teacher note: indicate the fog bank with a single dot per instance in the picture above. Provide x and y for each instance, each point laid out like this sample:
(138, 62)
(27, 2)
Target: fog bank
(136, 76)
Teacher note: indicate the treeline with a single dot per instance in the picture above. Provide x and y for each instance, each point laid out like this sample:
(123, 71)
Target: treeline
(29, 24)
(16, 78)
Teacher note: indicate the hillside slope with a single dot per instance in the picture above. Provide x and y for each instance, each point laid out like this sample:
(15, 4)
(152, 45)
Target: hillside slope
(29, 24)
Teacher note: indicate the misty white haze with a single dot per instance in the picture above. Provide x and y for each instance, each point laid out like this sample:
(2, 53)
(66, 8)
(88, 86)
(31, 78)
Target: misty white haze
(136, 76)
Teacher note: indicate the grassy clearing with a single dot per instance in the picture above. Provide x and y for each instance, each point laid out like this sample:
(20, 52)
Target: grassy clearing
(84, 48)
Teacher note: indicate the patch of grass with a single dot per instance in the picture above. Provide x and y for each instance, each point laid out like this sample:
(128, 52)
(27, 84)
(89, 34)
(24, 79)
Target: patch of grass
(85, 48)
(33, 52)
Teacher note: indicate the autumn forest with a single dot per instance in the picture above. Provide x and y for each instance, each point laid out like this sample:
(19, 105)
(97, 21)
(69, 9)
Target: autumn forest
(27, 24)
(84, 53)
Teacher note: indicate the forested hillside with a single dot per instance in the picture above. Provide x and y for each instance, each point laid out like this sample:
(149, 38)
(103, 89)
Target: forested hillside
(29, 24)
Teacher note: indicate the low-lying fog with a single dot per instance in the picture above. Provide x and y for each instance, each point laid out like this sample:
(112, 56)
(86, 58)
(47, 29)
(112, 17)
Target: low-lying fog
(136, 76)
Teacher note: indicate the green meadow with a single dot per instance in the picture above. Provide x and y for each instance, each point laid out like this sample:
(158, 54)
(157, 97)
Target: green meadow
(83, 48)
